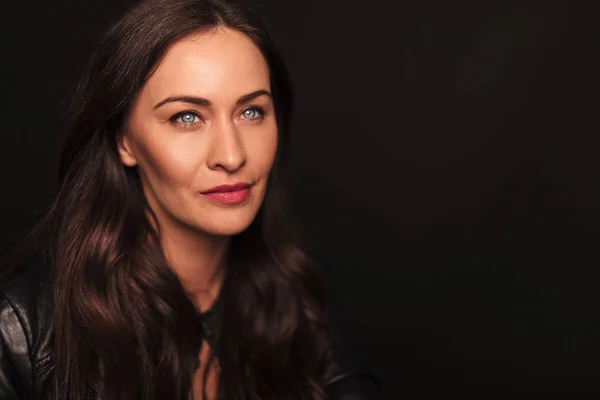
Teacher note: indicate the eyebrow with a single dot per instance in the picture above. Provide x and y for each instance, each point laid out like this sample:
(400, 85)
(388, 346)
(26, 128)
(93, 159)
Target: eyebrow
(200, 101)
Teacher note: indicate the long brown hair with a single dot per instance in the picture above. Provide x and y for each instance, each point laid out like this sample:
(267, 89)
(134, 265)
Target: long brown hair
(124, 328)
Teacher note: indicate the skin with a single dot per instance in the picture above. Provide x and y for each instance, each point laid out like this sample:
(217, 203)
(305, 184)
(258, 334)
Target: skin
(179, 156)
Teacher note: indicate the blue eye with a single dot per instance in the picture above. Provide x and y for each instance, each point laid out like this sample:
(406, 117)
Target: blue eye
(252, 113)
(186, 118)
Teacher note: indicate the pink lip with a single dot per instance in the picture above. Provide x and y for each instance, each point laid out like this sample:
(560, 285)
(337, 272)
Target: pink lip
(229, 194)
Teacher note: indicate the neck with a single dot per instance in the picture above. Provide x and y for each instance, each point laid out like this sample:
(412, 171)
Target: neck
(198, 260)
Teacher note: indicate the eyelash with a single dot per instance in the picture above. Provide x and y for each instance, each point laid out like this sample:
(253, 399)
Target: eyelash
(259, 110)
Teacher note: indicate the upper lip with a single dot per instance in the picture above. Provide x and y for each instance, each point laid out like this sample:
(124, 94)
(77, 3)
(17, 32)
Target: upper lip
(228, 188)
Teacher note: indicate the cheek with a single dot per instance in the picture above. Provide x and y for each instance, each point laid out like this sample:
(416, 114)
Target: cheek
(174, 161)
(263, 148)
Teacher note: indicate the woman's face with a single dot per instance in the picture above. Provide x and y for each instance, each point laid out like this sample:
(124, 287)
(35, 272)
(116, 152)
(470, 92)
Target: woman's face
(204, 119)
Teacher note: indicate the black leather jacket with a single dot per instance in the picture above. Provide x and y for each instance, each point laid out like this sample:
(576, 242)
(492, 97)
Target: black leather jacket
(26, 346)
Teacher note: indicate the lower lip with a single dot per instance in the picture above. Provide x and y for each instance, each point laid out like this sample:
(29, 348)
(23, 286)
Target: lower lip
(231, 198)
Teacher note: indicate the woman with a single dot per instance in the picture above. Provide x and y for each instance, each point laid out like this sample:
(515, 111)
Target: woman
(167, 272)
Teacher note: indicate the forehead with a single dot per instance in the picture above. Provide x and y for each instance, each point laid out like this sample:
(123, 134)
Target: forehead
(218, 64)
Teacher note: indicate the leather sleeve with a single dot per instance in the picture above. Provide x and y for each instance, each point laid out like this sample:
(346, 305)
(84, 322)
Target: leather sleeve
(15, 361)
(353, 386)
(345, 376)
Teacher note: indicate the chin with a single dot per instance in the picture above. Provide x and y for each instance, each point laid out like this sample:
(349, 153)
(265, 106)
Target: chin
(224, 230)
(221, 225)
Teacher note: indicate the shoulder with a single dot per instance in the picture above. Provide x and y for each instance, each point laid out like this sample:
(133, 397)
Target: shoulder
(345, 373)
(25, 316)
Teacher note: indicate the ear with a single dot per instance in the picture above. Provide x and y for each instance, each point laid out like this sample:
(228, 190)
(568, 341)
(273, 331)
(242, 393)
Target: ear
(125, 151)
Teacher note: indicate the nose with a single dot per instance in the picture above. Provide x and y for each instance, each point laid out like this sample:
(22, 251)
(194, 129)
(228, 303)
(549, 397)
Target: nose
(227, 150)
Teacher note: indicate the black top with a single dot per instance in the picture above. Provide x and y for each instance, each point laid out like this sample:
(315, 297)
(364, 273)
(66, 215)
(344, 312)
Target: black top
(26, 346)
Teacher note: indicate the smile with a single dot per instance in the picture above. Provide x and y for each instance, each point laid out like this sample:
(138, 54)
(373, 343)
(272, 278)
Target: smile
(229, 194)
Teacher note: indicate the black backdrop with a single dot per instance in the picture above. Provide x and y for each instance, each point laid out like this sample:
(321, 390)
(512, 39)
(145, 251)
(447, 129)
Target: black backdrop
(444, 173)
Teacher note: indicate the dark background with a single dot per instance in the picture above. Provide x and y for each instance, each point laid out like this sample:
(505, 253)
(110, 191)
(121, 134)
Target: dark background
(444, 173)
